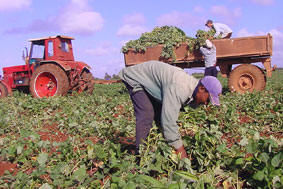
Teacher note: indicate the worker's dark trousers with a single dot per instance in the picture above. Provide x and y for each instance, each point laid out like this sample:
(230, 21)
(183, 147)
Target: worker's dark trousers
(210, 71)
(146, 110)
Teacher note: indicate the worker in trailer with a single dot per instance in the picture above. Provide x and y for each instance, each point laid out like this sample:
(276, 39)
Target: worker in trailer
(209, 53)
(221, 30)
(158, 91)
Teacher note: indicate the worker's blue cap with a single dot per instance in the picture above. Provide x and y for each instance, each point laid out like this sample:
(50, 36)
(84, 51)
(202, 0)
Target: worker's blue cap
(214, 88)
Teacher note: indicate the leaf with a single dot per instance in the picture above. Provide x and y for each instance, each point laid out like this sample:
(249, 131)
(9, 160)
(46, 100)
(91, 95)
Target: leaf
(239, 161)
(45, 186)
(116, 179)
(42, 159)
(19, 149)
(244, 141)
(256, 136)
(186, 175)
(130, 185)
(259, 175)
(80, 174)
(276, 160)
(252, 147)
(90, 152)
(174, 186)
(264, 157)
(154, 182)
(222, 148)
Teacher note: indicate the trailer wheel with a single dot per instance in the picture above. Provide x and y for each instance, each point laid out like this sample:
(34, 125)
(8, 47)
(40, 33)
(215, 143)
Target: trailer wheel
(3, 90)
(245, 78)
(49, 80)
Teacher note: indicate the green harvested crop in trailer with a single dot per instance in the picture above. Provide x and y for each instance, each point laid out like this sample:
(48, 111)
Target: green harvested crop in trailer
(170, 37)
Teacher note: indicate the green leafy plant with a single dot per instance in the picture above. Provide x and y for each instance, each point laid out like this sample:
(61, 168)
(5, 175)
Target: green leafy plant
(85, 141)
(170, 37)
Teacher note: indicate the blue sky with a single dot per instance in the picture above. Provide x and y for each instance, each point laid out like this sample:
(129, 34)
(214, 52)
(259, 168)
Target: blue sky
(100, 28)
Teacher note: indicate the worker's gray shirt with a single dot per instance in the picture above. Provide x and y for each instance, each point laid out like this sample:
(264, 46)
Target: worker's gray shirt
(222, 30)
(209, 55)
(172, 86)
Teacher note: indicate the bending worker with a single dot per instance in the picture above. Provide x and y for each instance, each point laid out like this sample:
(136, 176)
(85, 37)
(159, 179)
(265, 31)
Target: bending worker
(158, 91)
(209, 53)
(222, 30)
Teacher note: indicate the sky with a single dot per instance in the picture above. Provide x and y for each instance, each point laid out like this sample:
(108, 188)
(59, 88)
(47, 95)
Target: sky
(101, 28)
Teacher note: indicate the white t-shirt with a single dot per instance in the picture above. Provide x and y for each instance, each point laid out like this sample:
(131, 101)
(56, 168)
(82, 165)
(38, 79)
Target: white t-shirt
(221, 29)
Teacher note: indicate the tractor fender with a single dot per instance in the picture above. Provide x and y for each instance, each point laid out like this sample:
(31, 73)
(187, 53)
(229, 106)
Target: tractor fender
(64, 65)
(68, 66)
(9, 89)
(82, 66)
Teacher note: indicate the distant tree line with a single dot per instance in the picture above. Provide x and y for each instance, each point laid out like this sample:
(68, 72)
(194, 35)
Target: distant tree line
(109, 77)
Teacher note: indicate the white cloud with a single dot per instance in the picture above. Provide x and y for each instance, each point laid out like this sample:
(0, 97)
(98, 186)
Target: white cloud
(7, 5)
(181, 19)
(85, 22)
(78, 17)
(130, 30)
(103, 49)
(277, 47)
(263, 2)
(245, 33)
(134, 19)
(198, 9)
(227, 15)
(134, 25)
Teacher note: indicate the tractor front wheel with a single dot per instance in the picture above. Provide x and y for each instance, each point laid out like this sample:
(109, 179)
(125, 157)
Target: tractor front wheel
(3, 90)
(49, 80)
(246, 78)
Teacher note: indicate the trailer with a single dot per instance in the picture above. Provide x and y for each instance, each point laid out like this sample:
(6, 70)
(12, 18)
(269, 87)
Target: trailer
(243, 51)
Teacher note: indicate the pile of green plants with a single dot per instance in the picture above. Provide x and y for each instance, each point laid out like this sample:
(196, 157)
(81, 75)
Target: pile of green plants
(170, 37)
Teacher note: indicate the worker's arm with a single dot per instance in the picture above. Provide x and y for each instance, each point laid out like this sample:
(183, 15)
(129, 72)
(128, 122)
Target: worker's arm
(203, 50)
(171, 105)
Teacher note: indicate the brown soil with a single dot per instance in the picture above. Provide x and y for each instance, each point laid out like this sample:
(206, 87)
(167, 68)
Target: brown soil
(52, 134)
(244, 119)
(230, 140)
(7, 166)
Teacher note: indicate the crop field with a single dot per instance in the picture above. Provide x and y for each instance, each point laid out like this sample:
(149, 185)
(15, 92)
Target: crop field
(86, 141)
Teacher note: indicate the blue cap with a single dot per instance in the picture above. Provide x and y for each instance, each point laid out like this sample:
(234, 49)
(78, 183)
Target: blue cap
(214, 88)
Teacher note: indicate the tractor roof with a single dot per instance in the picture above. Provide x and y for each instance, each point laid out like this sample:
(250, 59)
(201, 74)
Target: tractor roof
(51, 37)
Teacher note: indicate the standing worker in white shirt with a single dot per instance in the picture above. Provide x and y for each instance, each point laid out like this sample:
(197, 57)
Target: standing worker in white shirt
(209, 53)
(222, 30)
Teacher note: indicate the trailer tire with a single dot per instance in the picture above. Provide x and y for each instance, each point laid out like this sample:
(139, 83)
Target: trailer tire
(49, 80)
(3, 91)
(246, 78)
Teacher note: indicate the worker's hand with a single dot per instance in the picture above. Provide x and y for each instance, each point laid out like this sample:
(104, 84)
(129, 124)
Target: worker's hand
(182, 152)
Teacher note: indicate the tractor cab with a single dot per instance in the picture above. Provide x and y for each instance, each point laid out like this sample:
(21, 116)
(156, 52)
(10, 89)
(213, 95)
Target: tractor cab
(50, 48)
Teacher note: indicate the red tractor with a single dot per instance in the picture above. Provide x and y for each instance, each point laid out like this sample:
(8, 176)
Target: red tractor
(50, 70)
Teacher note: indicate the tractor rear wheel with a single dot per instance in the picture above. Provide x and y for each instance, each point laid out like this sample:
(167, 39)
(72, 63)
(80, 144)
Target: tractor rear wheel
(3, 90)
(246, 78)
(49, 80)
